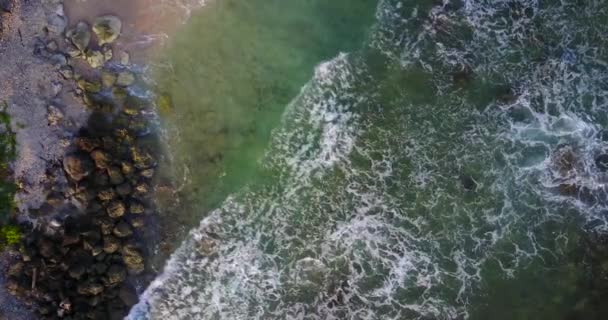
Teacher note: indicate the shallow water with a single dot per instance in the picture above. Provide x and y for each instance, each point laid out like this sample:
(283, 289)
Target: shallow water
(422, 171)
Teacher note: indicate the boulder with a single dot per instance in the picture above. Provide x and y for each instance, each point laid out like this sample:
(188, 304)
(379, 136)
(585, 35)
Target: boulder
(101, 158)
(115, 175)
(133, 259)
(116, 209)
(136, 208)
(90, 289)
(116, 274)
(148, 173)
(106, 195)
(80, 36)
(54, 116)
(87, 144)
(96, 59)
(124, 189)
(122, 230)
(128, 295)
(111, 244)
(105, 225)
(107, 28)
(77, 271)
(77, 166)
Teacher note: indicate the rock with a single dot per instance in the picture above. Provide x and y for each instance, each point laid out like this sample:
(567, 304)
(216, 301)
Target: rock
(46, 248)
(136, 208)
(54, 116)
(80, 36)
(125, 79)
(128, 295)
(106, 195)
(124, 189)
(107, 28)
(115, 175)
(116, 209)
(95, 59)
(116, 274)
(77, 166)
(102, 159)
(601, 162)
(77, 271)
(90, 289)
(133, 259)
(122, 230)
(111, 244)
(105, 225)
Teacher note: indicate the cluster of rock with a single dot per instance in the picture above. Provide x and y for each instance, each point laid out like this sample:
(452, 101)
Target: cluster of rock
(81, 258)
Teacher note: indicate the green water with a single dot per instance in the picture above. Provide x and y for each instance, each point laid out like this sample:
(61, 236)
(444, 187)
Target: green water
(233, 69)
(338, 186)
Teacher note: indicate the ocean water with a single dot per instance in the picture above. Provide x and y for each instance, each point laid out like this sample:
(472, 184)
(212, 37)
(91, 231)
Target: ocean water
(386, 160)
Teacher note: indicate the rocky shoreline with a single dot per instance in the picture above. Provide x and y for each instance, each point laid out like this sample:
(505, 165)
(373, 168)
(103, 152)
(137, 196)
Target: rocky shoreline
(85, 171)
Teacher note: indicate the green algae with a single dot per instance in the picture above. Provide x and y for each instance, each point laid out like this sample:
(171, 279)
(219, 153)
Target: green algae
(7, 153)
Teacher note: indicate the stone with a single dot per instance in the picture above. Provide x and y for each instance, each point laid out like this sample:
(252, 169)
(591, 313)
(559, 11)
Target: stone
(51, 45)
(115, 175)
(133, 259)
(124, 189)
(122, 230)
(80, 36)
(601, 162)
(116, 274)
(101, 179)
(136, 208)
(70, 239)
(107, 28)
(95, 59)
(102, 159)
(125, 79)
(107, 53)
(77, 166)
(111, 244)
(90, 289)
(116, 209)
(54, 116)
(127, 168)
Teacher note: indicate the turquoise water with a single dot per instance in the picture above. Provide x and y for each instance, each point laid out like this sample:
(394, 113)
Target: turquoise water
(437, 163)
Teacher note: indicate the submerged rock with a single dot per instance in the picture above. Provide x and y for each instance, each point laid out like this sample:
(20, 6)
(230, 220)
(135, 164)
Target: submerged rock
(96, 59)
(125, 79)
(601, 162)
(107, 28)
